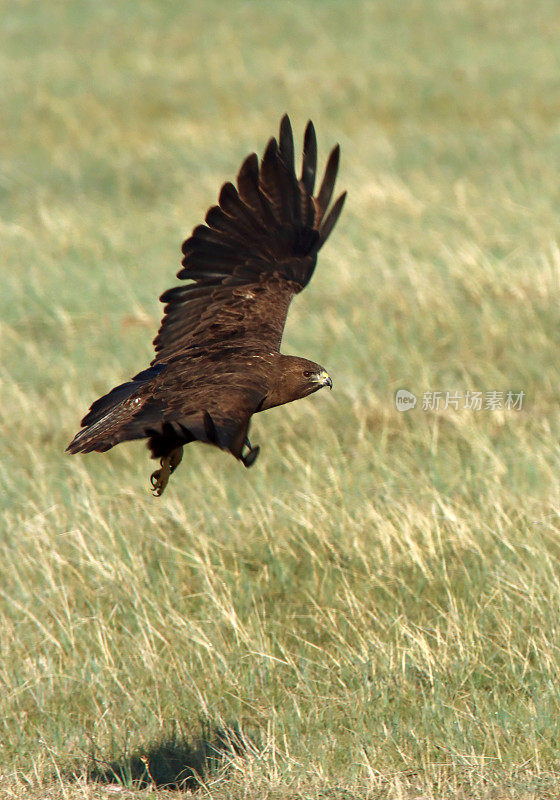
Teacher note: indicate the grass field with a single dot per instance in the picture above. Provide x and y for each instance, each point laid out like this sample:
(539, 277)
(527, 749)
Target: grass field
(374, 609)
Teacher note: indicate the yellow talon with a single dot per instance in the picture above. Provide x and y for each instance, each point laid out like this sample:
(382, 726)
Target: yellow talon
(169, 464)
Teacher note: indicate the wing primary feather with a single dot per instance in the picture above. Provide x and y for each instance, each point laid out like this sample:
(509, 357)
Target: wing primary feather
(309, 163)
(268, 182)
(234, 228)
(248, 181)
(250, 192)
(215, 255)
(278, 178)
(228, 196)
(331, 219)
(327, 185)
(292, 191)
(233, 205)
(189, 292)
(202, 233)
(286, 140)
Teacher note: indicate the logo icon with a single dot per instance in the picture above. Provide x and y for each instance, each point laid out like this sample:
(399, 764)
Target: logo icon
(404, 400)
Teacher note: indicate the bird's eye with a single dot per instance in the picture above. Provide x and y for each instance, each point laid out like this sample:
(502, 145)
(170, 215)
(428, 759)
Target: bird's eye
(307, 374)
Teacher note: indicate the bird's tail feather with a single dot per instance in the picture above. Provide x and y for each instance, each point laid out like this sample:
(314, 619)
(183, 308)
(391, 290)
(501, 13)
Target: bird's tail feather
(109, 419)
(96, 436)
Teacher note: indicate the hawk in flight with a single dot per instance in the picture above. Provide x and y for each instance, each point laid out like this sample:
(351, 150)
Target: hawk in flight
(218, 357)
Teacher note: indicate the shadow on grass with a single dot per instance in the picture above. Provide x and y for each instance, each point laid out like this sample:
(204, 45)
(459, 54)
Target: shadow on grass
(174, 762)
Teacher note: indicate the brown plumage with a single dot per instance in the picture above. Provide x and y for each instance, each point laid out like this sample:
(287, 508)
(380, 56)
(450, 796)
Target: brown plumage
(218, 357)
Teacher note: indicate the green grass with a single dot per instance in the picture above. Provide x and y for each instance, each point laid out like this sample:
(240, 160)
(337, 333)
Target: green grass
(374, 607)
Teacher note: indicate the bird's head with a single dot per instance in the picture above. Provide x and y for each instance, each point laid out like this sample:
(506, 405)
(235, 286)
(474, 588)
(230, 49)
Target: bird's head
(302, 377)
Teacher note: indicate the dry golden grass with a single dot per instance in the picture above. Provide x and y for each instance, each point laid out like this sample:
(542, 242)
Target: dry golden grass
(374, 607)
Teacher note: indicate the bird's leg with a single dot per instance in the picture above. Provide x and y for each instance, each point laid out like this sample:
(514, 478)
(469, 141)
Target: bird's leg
(175, 458)
(169, 464)
(251, 456)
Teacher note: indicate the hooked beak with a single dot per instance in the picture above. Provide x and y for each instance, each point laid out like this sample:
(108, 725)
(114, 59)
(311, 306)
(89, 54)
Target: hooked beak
(325, 379)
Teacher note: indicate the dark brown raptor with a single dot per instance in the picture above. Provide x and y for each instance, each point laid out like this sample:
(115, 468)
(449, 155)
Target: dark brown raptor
(218, 357)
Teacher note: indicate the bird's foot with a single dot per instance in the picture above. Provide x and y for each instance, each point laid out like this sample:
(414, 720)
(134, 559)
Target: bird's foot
(160, 477)
(249, 459)
(169, 464)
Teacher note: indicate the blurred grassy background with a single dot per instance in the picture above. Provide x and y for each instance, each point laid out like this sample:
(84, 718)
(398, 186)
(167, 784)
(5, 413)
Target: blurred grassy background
(375, 605)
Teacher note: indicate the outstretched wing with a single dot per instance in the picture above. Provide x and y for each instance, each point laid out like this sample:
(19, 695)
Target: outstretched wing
(258, 248)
